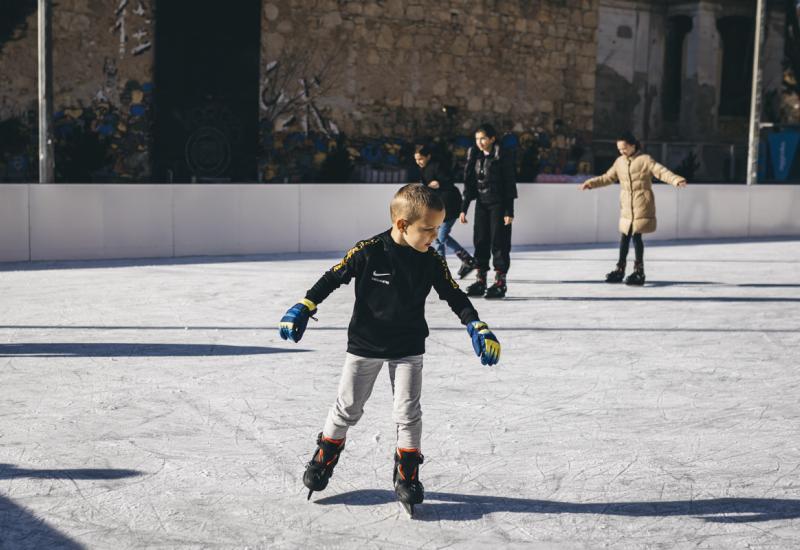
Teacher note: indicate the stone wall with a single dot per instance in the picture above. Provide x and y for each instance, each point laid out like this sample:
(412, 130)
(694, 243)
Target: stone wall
(398, 63)
(102, 85)
(631, 68)
(640, 63)
(96, 47)
(395, 71)
(392, 73)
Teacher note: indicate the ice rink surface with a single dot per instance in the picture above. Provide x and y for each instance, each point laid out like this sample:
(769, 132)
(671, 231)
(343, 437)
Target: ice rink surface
(151, 404)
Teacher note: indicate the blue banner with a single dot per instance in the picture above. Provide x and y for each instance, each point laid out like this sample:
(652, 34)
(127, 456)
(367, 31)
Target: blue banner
(783, 146)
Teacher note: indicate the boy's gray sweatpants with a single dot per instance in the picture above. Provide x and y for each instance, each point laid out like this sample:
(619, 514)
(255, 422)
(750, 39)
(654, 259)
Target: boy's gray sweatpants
(355, 387)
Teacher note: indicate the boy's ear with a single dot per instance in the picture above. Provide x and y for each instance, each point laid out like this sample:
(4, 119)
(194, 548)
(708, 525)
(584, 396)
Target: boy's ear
(401, 224)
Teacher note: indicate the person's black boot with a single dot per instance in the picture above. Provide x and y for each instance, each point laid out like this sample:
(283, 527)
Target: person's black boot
(320, 468)
(478, 288)
(617, 275)
(637, 277)
(468, 263)
(407, 486)
(498, 289)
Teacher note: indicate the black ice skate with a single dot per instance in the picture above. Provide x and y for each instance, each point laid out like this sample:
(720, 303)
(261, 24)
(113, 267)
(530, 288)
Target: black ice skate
(478, 288)
(468, 263)
(320, 468)
(617, 275)
(407, 486)
(498, 289)
(637, 277)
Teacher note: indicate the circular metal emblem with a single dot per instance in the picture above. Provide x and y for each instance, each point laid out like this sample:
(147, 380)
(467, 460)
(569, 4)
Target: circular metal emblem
(208, 152)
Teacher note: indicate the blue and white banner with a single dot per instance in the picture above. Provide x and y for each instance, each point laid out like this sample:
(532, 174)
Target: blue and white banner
(783, 147)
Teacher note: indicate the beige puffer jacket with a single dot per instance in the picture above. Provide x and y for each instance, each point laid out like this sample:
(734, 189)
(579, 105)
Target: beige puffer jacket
(636, 201)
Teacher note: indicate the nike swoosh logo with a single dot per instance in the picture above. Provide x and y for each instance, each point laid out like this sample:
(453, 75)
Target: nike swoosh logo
(376, 274)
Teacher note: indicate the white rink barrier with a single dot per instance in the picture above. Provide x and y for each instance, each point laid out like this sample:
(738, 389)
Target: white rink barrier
(105, 221)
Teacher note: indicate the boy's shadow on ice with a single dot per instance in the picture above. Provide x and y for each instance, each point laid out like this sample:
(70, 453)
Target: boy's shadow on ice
(458, 507)
(600, 282)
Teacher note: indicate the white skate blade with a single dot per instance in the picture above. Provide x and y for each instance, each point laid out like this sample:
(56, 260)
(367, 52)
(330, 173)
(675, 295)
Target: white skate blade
(407, 508)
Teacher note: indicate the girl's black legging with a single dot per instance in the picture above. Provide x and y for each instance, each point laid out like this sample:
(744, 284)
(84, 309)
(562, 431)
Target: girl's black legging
(624, 245)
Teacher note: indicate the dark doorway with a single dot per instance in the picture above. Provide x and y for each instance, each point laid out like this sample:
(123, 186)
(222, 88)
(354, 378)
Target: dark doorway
(677, 29)
(206, 93)
(737, 64)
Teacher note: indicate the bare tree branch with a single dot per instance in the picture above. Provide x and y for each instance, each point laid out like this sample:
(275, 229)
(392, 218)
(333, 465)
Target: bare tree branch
(293, 84)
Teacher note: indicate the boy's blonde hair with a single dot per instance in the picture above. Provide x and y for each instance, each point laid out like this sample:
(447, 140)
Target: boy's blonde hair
(412, 201)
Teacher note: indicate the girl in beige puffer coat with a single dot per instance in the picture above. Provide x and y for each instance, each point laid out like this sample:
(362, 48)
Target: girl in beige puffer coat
(634, 170)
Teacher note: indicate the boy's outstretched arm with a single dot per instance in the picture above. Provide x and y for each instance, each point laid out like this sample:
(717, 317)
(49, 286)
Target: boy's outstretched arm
(293, 323)
(484, 342)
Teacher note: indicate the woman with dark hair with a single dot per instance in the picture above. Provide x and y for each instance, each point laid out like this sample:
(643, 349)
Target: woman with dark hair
(490, 179)
(437, 178)
(634, 170)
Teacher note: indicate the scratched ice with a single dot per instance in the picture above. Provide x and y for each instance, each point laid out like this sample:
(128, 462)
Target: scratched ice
(152, 404)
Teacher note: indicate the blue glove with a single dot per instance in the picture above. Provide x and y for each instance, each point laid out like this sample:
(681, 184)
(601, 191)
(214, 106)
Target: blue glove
(484, 342)
(293, 324)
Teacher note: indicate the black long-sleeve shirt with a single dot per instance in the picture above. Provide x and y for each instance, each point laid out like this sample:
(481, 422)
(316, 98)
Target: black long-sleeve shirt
(449, 193)
(392, 283)
(490, 178)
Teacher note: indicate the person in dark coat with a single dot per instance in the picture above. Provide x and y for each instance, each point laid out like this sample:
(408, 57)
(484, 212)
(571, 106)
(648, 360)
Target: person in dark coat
(437, 178)
(490, 179)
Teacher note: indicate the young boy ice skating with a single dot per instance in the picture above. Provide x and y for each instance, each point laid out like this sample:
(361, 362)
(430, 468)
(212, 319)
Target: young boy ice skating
(394, 272)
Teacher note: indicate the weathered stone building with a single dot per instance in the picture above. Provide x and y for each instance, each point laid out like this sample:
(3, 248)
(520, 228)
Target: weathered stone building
(383, 72)
(102, 86)
(679, 72)
(268, 90)
(415, 69)
(399, 62)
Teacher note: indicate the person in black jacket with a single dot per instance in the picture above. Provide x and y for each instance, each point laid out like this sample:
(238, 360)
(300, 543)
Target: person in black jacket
(394, 273)
(490, 180)
(437, 178)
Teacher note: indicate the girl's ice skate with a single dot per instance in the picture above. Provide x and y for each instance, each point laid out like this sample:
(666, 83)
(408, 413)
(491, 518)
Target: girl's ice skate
(498, 289)
(617, 275)
(637, 277)
(478, 288)
(468, 263)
